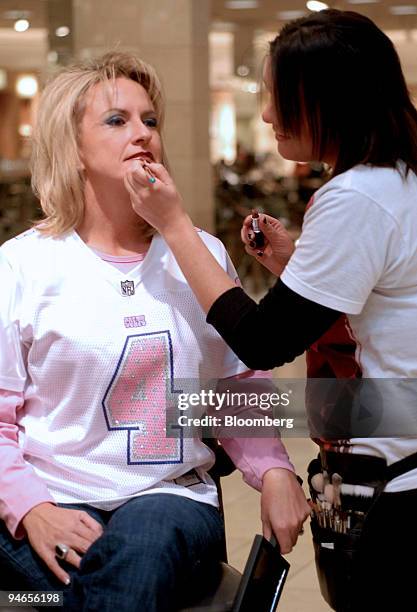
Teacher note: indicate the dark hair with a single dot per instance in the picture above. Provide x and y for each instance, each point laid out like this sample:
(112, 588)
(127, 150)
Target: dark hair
(339, 74)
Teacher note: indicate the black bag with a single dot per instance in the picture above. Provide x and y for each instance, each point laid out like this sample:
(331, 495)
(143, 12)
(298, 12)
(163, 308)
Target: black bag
(335, 553)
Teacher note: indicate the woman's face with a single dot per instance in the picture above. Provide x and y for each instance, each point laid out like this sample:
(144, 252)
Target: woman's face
(119, 125)
(295, 148)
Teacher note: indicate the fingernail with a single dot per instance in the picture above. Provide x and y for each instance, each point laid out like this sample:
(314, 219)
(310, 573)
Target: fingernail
(259, 254)
(252, 244)
(251, 236)
(67, 580)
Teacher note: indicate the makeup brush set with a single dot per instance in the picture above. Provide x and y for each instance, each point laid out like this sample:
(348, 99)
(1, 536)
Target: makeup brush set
(327, 501)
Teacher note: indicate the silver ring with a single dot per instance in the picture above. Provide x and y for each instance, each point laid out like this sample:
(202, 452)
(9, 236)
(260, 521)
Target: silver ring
(61, 551)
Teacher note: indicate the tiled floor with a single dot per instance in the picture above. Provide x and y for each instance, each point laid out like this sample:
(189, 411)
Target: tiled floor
(242, 512)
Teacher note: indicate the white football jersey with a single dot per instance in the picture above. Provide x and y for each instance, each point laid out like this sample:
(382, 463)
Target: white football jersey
(96, 353)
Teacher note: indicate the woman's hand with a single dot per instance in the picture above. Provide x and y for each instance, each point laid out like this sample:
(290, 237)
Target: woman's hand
(48, 525)
(279, 246)
(158, 201)
(284, 507)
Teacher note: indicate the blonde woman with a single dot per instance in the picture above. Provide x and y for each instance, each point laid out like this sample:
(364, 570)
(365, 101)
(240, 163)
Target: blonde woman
(96, 322)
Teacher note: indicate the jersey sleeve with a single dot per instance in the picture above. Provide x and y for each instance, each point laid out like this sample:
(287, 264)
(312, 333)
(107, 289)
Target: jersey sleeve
(343, 251)
(253, 457)
(12, 367)
(21, 488)
(231, 364)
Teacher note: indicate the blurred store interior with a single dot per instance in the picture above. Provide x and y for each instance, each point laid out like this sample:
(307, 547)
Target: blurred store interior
(223, 158)
(209, 55)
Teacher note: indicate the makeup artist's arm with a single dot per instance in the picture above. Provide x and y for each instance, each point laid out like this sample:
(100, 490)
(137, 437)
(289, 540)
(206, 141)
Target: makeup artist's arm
(161, 205)
(237, 317)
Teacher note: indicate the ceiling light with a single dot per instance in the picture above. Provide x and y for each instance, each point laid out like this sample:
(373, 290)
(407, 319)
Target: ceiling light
(62, 31)
(26, 86)
(241, 4)
(314, 5)
(288, 15)
(243, 70)
(403, 9)
(249, 86)
(21, 25)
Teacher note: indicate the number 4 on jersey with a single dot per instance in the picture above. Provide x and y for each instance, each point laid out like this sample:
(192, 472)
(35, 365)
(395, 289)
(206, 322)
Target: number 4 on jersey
(137, 397)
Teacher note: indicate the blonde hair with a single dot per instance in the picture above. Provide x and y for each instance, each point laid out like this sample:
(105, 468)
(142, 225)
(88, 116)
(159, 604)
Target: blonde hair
(57, 178)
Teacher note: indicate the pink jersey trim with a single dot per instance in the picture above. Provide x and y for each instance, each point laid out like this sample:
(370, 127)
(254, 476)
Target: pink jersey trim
(120, 258)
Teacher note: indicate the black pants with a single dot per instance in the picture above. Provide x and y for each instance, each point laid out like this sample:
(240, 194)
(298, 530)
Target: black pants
(386, 576)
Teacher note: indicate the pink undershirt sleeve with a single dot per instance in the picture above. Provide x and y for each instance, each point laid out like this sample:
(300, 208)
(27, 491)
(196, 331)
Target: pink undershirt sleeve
(21, 488)
(255, 456)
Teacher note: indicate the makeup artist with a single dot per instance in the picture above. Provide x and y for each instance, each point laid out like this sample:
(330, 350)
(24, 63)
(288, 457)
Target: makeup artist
(348, 292)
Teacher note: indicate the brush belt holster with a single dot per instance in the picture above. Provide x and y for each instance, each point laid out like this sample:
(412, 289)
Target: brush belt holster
(338, 529)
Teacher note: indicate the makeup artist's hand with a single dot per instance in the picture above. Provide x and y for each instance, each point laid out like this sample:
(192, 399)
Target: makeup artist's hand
(284, 507)
(279, 246)
(154, 195)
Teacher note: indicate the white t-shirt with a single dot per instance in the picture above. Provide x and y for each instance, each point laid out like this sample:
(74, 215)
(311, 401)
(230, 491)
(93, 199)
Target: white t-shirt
(96, 352)
(358, 254)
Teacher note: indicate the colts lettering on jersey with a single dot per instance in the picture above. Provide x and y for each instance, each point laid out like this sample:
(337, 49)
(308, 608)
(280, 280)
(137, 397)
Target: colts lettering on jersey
(137, 398)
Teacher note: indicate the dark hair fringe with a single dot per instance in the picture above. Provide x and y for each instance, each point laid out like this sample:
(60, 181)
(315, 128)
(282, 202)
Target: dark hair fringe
(338, 74)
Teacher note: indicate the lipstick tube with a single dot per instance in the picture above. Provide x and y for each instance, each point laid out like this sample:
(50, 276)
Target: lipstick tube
(259, 237)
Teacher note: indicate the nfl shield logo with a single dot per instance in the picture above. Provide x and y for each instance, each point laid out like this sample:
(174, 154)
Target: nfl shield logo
(128, 288)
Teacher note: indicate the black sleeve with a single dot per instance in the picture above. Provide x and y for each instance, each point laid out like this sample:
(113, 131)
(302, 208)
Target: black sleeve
(275, 331)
